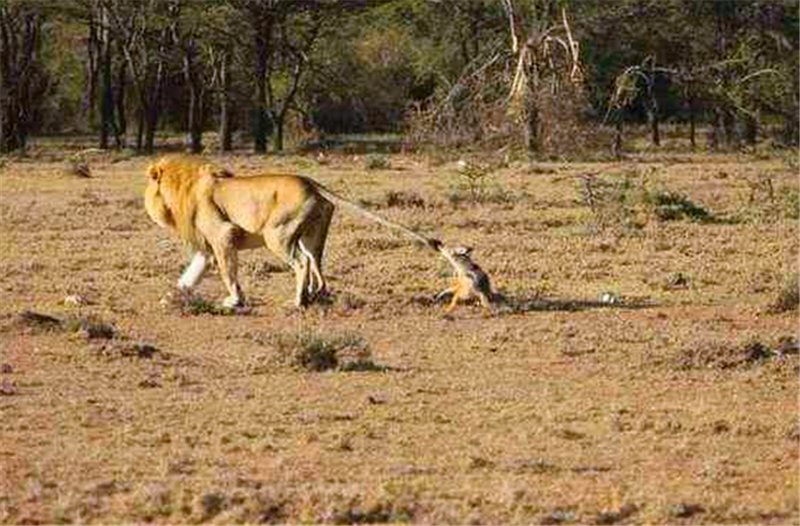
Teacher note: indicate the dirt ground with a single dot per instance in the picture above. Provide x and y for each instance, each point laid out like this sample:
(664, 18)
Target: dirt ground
(633, 374)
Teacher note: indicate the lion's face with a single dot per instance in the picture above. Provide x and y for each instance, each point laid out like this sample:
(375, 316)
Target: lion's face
(154, 201)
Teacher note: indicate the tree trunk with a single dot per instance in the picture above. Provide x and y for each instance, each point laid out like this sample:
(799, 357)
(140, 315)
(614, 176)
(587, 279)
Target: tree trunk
(729, 124)
(692, 131)
(140, 126)
(18, 59)
(89, 101)
(278, 143)
(532, 138)
(193, 80)
(224, 113)
(9, 97)
(121, 128)
(616, 146)
(748, 129)
(652, 116)
(107, 101)
(260, 131)
(151, 123)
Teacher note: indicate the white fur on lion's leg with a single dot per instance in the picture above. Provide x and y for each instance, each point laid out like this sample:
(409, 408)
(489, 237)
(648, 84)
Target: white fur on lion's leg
(232, 302)
(194, 272)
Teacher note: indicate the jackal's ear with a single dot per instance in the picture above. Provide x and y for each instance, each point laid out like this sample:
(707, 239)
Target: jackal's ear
(435, 244)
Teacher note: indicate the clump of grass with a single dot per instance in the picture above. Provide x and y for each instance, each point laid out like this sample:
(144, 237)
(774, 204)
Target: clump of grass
(475, 183)
(669, 206)
(790, 202)
(37, 321)
(677, 280)
(375, 161)
(212, 504)
(611, 200)
(316, 352)
(403, 199)
(194, 305)
(721, 355)
(90, 327)
(788, 297)
(379, 513)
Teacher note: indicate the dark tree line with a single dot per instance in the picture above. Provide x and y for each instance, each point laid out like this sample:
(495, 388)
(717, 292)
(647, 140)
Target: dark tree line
(126, 69)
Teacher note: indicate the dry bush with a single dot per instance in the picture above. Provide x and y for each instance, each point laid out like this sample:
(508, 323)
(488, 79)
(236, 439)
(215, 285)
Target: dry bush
(404, 199)
(316, 352)
(612, 201)
(375, 161)
(89, 327)
(788, 297)
(475, 183)
(669, 205)
(725, 355)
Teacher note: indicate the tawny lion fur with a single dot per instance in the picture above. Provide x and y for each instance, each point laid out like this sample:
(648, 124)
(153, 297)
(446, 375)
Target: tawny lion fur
(216, 213)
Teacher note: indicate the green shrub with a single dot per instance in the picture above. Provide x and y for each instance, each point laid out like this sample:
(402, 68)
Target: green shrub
(669, 205)
(611, 199)
(375, 161)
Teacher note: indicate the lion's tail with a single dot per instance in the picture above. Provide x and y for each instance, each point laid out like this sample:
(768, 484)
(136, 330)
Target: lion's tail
(336, 199)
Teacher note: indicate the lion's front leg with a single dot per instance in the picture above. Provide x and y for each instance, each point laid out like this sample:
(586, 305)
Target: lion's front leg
(194, 271)
(225, 253)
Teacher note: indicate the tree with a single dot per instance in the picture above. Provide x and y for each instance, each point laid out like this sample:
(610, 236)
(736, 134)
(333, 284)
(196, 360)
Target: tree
(146, 29)
(22, 80)
(547, 61)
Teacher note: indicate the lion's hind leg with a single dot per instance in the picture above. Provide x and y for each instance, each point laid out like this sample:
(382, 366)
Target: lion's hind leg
(290, 253)
(312, 243)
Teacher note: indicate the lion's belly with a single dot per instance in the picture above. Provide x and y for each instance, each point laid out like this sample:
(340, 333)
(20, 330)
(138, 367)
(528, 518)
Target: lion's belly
(247, 241)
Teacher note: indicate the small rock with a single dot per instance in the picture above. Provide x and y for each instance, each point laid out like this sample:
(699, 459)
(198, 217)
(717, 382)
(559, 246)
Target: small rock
(75, 300)
(149, 383)
(684, 510)
(8, 388)
(212, 504)
(78, 168)
(788, 345)
(608, 298)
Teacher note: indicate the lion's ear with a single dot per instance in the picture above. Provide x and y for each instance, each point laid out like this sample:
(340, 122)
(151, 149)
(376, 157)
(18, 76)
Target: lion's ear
(154, 172)
(208, 169)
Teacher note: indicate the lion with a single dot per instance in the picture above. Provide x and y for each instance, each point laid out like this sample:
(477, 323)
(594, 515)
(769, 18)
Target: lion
(217, 214)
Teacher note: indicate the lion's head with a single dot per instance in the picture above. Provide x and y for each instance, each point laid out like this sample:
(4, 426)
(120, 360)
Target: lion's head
(175, 189)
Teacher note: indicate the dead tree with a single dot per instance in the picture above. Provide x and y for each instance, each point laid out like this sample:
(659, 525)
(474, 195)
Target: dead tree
(547, 61)
(20, 39)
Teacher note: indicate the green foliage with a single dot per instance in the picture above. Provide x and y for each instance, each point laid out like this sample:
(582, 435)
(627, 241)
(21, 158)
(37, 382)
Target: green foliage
(363, 67)
(790, 202)
(612, 200)
(476, 183)
(669, 205)
(375, 161)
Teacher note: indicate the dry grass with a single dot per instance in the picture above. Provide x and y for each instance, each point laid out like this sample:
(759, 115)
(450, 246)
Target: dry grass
(673, 401)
